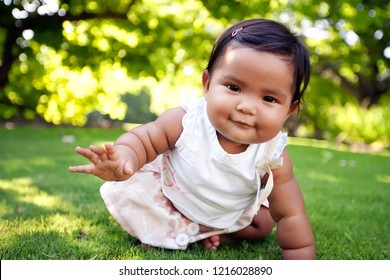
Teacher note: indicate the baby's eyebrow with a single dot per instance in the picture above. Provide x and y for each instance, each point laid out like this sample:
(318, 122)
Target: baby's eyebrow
(233, 78)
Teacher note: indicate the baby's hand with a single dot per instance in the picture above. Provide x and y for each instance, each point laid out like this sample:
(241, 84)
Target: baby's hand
(106, 163)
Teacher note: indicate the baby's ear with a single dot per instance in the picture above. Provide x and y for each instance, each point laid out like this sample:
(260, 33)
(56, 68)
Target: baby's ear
(205, 82)
(293, 107)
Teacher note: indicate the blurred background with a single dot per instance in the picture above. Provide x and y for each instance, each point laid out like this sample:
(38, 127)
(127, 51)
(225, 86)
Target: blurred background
(110, 62)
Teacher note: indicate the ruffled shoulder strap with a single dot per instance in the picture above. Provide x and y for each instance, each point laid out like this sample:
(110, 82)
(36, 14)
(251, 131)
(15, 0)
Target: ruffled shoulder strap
(270, 161)
(274, 150)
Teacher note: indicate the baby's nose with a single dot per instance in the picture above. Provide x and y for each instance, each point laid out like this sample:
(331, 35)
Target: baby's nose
(246, 106)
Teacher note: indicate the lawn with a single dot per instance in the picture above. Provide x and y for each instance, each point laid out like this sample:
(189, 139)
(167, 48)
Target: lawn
(47, 212)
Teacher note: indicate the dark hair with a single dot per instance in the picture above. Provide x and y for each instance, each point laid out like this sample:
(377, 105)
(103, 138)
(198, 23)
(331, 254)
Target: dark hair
(268, 36)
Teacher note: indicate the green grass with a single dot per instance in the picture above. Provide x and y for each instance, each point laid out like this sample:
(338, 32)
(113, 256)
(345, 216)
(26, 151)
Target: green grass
(48, 213)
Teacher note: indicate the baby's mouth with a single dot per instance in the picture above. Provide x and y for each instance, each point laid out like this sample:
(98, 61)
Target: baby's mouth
(242, 123)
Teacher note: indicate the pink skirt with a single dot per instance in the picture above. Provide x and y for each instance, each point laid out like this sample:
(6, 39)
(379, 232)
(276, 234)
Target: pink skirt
(140, 207)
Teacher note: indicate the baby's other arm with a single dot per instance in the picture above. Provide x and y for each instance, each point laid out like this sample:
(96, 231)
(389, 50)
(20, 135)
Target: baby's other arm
(287, 208)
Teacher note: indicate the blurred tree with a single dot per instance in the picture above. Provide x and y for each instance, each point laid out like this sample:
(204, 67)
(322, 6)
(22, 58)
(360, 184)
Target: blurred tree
(350, 44)
(65, 59)
(33, 47)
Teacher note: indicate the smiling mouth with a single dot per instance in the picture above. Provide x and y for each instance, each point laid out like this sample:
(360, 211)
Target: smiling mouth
(242, 124)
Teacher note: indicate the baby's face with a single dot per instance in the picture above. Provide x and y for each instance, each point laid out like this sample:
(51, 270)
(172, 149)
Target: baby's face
(249, 95)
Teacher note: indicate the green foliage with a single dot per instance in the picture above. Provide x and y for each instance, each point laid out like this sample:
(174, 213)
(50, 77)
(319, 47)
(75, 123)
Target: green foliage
(85, 56)
(335, 114)
(139, 104)
(47, 212)
(99, 59)
(348, 42)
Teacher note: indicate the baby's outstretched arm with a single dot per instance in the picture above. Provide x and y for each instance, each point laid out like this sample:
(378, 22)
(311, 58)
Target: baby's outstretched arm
(287, 208)
(132, 149)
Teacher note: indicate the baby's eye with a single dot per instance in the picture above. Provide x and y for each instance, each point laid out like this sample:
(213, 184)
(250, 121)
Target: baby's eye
(234, 88)
(269, 99)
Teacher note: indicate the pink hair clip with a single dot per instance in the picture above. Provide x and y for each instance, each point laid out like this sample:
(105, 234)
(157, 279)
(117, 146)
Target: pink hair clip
(236, 31)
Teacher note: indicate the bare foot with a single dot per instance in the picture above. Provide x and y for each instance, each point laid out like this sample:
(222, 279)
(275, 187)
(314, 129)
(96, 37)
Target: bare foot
(215, 241)
(212, 242)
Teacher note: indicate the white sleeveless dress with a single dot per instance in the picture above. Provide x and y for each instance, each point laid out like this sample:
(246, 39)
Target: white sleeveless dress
(195, 190)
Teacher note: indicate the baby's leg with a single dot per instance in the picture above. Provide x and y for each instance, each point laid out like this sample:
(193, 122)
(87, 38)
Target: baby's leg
(260, 227)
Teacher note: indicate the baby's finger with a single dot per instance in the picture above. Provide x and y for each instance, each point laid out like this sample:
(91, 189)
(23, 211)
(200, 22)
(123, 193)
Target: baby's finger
(88, 168)
(91, 156)
(99, 151)
(111, 153)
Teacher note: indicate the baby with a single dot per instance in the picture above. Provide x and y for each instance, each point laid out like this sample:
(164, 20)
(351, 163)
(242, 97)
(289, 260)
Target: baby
(216, 169)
